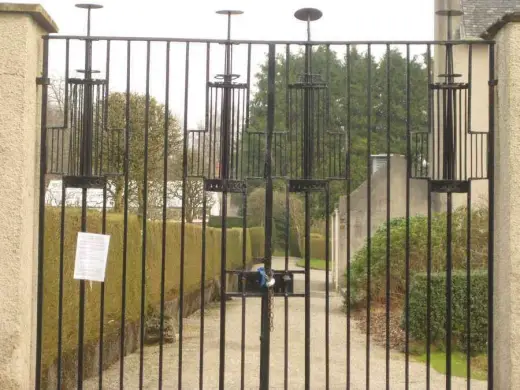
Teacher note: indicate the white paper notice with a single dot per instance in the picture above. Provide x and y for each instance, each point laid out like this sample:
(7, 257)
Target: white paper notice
(91, 256)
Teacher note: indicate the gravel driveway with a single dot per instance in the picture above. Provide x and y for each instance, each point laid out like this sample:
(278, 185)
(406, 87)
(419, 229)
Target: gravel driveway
(296, 367)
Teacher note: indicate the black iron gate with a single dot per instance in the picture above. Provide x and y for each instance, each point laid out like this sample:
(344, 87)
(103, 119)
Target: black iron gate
(238, 212)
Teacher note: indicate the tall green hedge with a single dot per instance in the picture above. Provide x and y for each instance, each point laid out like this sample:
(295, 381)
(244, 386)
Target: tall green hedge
(114, 273)
(478, 310)
(257, 235)
(231, 222)
(318, 246)
(418, 246)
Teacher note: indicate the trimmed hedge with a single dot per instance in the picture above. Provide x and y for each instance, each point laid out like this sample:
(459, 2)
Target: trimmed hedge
(478, 313)
(114, 273)
(215, 221)
(318, 246)
(418, 244)
(257, 236)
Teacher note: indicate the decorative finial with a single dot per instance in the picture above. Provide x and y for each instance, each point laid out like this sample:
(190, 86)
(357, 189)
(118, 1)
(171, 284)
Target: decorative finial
(308, 15)
(229, 13)
(88, 7)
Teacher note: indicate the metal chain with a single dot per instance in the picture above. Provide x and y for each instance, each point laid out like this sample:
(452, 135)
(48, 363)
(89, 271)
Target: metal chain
(270, 307)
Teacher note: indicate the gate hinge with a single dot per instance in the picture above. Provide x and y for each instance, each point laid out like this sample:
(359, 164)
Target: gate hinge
(43, 80)
(493, 83)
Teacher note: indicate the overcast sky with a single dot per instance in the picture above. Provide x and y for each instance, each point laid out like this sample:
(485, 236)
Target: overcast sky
(262, 20)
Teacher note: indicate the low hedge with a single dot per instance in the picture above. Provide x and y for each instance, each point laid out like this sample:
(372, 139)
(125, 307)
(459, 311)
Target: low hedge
(114, 273)
(418, 245)
(478, 312)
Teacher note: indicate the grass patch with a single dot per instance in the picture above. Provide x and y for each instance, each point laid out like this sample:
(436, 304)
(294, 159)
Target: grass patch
(317, 264)
(458, 364)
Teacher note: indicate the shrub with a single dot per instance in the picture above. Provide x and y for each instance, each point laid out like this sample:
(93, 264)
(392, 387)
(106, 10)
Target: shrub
(114, 273)
(418, 245)
(478, 314)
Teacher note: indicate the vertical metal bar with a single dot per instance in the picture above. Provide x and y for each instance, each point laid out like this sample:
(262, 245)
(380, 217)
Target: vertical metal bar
(97, 153)
(349, 188)
(481, 154)
(207, 125)
(145, 218)
(224, 175)
(449, 265)
(102, 293)
(102, 308)
(210, 172)
(60, 298)
(183, 212)
(248, 84)
(244, 265)
(53, 158)
(202, 289)
(407, 250)
(125, 224)
(236, 140)
(66, 101)
(286, 298)
(428, 289)
(231, 133)
(86, 170)
(106, 95)
(243, 136)
(388, 215)
(266, 331)
(329, 90)
(307, 172)
(41, 211)
(429, 244)
(327, 287)
(491, 208)
(215, 132)
(81, 319)
(369, 209)
(288, 120)
(208, 110)
(437, 138)
(458, 148)
(164, 207)
(468, 291)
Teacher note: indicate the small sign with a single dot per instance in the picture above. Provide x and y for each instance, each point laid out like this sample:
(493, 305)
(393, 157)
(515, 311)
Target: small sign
(91, 256)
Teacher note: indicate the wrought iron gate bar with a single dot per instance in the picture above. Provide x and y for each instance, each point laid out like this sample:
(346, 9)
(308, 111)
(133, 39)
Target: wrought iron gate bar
(407, 216)
(164, 216)
(429, 234)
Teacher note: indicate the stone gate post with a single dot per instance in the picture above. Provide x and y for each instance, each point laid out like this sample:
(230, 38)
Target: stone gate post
(21, 29)
(507, 205)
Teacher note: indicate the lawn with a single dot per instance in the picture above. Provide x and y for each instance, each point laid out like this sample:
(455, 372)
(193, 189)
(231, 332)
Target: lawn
(315, 264)
(458, 364)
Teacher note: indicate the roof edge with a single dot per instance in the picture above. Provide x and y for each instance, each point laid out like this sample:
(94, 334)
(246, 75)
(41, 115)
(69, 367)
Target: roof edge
(492, 31)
